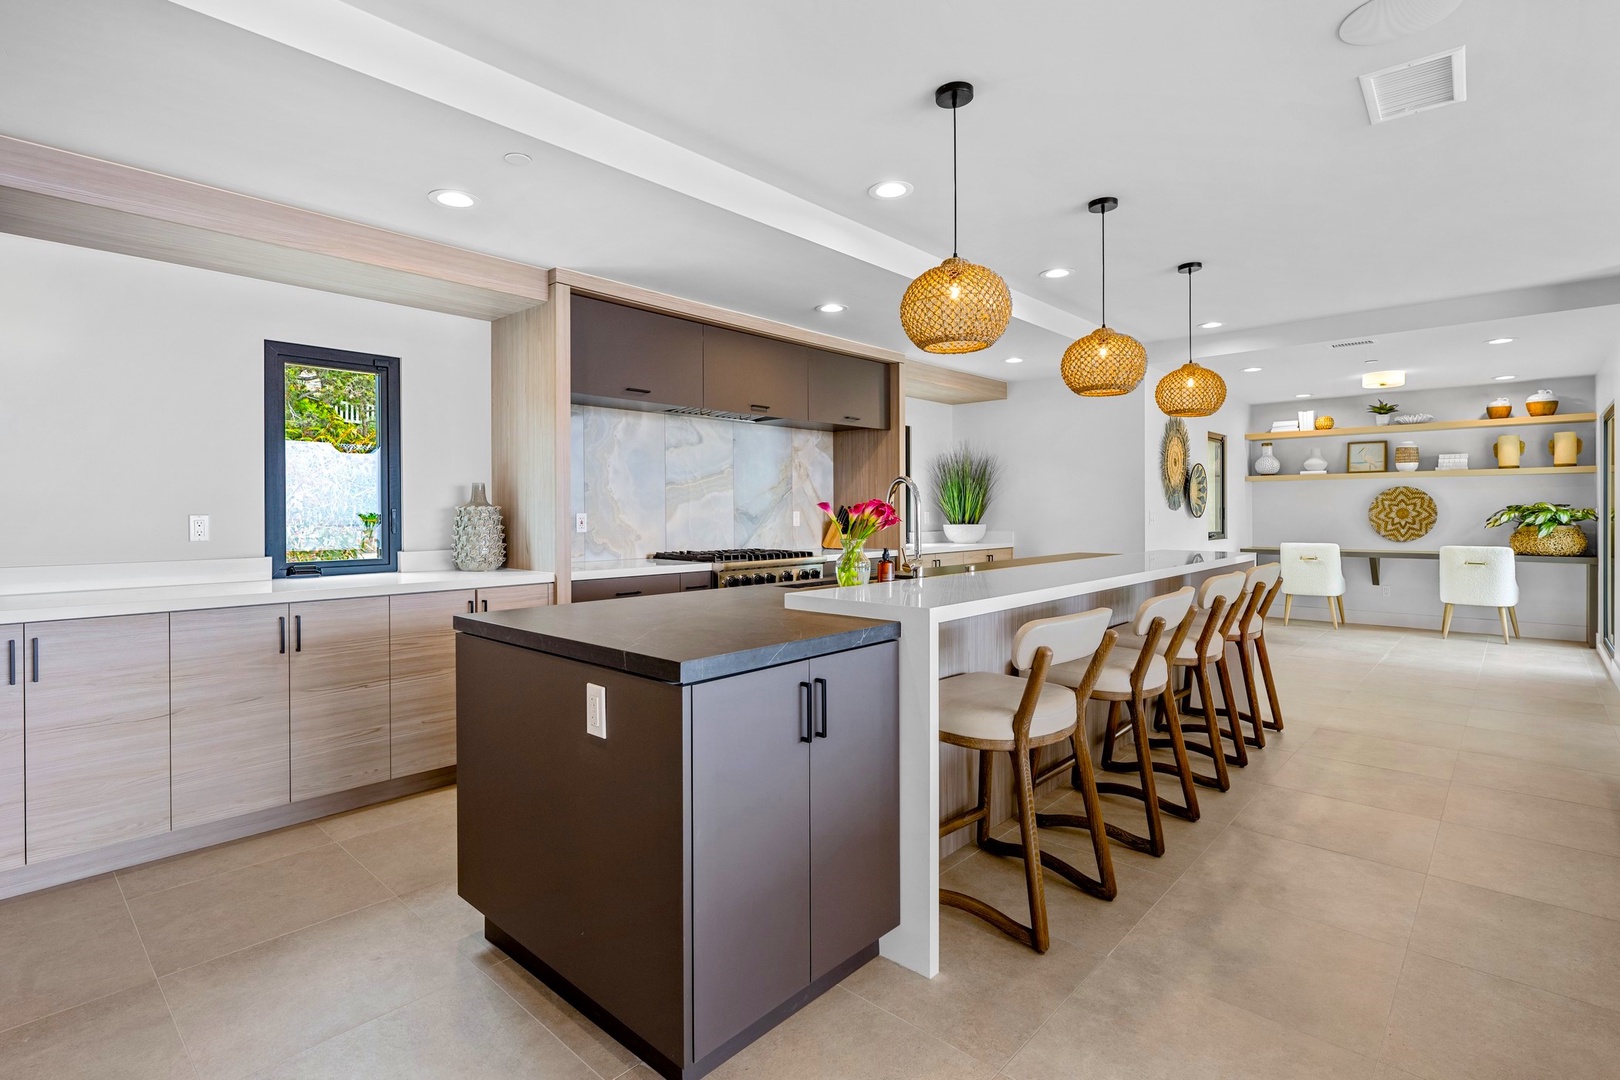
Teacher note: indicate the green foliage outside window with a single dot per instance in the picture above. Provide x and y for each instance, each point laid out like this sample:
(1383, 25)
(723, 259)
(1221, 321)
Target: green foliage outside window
(332, 406)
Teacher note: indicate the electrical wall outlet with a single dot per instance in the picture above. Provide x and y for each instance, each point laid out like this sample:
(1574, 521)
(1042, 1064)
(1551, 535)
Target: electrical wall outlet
(596, 710)
(1384, 590)
(797, 520)
(579, 523)
(199, 527)
(928, 517)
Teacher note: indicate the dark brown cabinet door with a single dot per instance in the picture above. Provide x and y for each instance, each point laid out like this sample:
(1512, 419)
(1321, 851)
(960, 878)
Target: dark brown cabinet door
(754, 376)
(846, 391)
(623, 354)
(750, 849)
(854, 804)
(618, 588)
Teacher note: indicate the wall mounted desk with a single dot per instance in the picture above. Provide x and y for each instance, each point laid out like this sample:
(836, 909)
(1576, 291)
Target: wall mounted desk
(1374, 555)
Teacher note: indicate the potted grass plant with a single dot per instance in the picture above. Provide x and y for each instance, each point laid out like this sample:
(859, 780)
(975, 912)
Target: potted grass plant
(964, 479)
(1544, 528)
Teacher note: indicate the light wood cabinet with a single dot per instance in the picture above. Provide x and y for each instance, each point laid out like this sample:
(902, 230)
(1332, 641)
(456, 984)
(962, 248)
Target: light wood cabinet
(984, 557)
(422, 686)
(510, 597)
(339, 675)
(229, 722)
(11, 746)
(95, 733)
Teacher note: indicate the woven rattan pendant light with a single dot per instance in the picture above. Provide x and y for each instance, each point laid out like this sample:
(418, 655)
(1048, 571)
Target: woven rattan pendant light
(1103, 363)
(1190, 390)
(958, 306)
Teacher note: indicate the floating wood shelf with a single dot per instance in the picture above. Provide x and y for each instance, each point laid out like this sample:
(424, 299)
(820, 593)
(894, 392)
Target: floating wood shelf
(1438, 425)
(1547, 470)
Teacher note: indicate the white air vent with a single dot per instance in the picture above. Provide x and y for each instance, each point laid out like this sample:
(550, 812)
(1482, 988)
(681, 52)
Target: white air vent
(1416, 86)
(1350, 344)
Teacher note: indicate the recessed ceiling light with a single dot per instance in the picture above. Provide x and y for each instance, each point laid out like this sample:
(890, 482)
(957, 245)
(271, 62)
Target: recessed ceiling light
(1056, 272)
(451, 197)
(1250, 370)
(516, 158)
(1505, 378)
(889, 189)
(829, 309)
(1499, 341)
(1302, 395)
(1015, 359)
(1209, 325)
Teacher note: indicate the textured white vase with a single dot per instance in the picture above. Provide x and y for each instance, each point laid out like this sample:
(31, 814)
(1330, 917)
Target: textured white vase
(1266, 464)
(479, 534)
(965, 534)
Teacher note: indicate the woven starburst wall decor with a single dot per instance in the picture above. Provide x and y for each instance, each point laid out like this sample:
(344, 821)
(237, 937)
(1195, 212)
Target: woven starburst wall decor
(1402, 514)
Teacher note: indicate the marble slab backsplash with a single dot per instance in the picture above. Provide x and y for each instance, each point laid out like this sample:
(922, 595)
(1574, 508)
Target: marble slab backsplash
(648, 481)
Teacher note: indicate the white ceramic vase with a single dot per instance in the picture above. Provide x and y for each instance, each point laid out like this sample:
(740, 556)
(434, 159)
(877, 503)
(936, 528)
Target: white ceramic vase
(479, 534)
(1266, 464)
(965, 534)
(1316, 462)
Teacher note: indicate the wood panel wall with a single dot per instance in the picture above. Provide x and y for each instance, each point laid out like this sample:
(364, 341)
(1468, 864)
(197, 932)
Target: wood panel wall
(931, 382)
(866, 461)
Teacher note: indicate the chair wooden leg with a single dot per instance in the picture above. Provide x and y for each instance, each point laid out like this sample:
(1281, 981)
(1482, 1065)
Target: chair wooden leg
(1103, 886)
(1234, 718)
(1333, 611)
(1264, 656)
(987, 761)
(1239, 756)
(1146, 790)
(1182, 767)
(1037, 935)
(1502, 612)
(1288, 607)
(1513, 614)
(1110, 733)
(1445, 623)
(1343, 618)
(1251, 692)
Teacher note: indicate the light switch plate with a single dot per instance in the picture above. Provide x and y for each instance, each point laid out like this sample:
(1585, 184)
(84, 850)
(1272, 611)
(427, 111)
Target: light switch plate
(596, 710)
(579, 523)
(797, 521)
(199, 527)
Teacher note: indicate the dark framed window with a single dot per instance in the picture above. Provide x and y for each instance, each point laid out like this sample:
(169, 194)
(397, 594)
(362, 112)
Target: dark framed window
(331, 460)
(1215, 469)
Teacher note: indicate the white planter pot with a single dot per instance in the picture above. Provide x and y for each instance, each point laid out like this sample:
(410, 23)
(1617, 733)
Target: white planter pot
(965, 534)
(1381, 419)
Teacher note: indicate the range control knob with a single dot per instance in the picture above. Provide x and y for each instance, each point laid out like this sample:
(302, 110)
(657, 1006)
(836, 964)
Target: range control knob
(732, 580)
(815, 573)
(770, 579)
(759, 579)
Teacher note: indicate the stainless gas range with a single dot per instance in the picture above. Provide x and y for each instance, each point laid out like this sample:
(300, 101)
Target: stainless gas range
(753, 566)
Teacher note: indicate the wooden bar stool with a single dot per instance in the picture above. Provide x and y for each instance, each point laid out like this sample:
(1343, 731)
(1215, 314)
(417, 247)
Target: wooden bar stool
(990, 712)
(1128, 680)
(1216, 609)
(1249, 633)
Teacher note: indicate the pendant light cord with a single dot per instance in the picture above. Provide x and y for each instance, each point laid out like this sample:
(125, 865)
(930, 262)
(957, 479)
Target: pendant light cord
(955, 253)
(1189, 317)
(1104, 216)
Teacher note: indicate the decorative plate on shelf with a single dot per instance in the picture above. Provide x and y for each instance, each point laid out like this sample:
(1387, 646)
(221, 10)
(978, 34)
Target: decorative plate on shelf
(1402, 514)
(1173, 453)
(1197, 490)
(1412, 418)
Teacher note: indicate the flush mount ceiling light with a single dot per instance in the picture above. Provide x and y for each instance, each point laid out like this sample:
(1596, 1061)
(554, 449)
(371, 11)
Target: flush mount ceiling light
(1209, 325)
(889, 189)
(829, 309)
(451, 197)
(1250, 370)
(1190, 390)
(1103, 363)
(1499, 341)
(1015, 359)
(1505, 378)
(1056, 272)
(516, 158)
(958, 306)
(1383, 380)
(1302, 395)
(1380, 21)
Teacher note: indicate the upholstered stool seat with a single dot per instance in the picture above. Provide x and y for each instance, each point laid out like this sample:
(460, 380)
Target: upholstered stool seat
(1115, 677)
(1479, 577)
(977, 710)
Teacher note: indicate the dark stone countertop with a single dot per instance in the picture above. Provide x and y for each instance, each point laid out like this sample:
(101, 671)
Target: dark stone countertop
(681, 637)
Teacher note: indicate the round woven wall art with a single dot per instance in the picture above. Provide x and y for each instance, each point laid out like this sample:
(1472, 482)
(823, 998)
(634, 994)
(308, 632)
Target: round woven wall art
(1402, 514)
(1197, 490)
(1173, 453)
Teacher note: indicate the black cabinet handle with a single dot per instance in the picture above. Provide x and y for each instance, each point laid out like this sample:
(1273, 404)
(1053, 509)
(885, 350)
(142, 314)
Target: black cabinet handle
(486, 605)
(760, 408)
(851, 418)
(469, 607)
(632, 592)
(298, 633)
(282, 633)
(821, 712)
(636, 390)
(805, 708)
(11, 662)
(34, 646)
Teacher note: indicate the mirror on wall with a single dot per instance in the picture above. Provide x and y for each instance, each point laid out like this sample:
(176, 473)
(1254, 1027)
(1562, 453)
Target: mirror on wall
(1608, 530)
(1215, 466)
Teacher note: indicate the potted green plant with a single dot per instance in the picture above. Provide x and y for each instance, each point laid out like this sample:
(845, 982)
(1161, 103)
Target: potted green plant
(1381, 412)
(1544, 528)
(964, 478)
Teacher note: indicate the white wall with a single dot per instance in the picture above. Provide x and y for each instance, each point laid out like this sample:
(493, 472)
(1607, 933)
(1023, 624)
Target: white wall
(1073, 469)
(132, 395)
(1166, 528)
(933, 431)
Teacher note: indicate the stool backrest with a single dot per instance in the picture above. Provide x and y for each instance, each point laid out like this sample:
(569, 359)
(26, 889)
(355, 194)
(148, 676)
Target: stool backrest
(1171, 607)
(1478, 575)
(1220, 596)
(1224, 586)
(1311, 569)
(1263, 574)
(1070, 637)
(1264, 582)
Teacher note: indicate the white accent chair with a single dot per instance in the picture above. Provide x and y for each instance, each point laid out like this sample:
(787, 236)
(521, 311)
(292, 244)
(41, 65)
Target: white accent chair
(1313, 570)
(1479, 577)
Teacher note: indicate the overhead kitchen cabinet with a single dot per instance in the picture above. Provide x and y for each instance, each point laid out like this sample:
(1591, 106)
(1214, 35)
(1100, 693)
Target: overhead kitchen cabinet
(754, 376)
(624, 356)
(846, 391)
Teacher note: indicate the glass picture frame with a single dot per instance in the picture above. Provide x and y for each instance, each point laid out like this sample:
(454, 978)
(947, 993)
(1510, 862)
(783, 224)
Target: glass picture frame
(1368, 456)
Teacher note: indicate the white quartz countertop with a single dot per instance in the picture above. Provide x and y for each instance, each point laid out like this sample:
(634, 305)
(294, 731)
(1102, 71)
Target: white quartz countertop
(959, 596)
(96, 603)
(595, 571)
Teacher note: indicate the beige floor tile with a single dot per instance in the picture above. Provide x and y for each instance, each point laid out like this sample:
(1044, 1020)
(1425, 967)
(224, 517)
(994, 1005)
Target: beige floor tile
(1536, 705)
(192, 923)
(1123, 1024)
(64, 947)
(258, 1007)
(1568, 877)
(196, 865)
(1313, 978)
(124, 1036)
(1385, 836)
(991, 992)
(1532, 778)
(1543, 749)
(1414, 695)
(383, 815)
(1382, 753)
(1398, 677)
(467, 1031)
(444, 912)
(1551, 682)
(843, 1035)
(594, 1046)
(1184, 840)
(1367, 898)
(1552, 948)
(1454, 1023)
(1386, 789)
(1552, 820)
(1556, 722)
(410, 856)
(1438, 732)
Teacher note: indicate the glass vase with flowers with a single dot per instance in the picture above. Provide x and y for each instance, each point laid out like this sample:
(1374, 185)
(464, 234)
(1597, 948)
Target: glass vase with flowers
(856, 525)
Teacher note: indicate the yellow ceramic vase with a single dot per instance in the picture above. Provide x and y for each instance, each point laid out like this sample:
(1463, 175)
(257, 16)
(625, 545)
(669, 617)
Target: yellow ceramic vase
(1565, 448)
(1507, 451)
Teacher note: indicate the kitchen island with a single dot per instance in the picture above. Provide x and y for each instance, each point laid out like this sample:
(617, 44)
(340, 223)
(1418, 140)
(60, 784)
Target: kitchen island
(681, 811)
(953, 623)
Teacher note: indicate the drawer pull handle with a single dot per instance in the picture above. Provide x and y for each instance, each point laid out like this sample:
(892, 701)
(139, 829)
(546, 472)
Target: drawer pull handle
(469, 607)
(851, 418)
(11, 662)
(281, 632)
(633, 592)
(1472, 562)
(34, 647)
(486, 605)
(760, 408)
(298, 633)
(821, 713)
(636, 390)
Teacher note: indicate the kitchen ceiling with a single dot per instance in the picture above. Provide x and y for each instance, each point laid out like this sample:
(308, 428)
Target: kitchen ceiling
(1232, 133)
